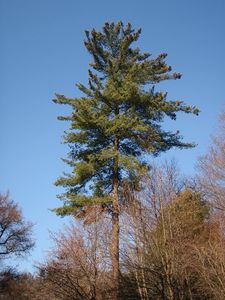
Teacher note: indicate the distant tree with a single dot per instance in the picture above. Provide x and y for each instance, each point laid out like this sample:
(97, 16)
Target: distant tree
(212, 168)
(15, 232)
(22, 286)
(13, 285)
(114, 124)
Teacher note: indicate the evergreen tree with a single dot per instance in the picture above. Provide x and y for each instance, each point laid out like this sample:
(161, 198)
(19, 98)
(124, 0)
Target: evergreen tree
(114, 124)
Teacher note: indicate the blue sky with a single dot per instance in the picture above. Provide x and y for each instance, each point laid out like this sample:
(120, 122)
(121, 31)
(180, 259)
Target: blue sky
(42, 53)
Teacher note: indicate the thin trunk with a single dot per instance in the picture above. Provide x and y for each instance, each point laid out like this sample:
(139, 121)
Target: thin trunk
(94, 296)
(115, 227)
(165, 257)
(138, 285)
(139, 218)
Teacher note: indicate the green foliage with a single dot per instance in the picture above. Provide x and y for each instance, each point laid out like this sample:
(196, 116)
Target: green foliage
(183, 218)
(118, 120)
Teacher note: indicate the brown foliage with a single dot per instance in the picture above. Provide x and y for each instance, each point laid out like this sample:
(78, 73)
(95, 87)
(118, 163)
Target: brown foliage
(22, 286)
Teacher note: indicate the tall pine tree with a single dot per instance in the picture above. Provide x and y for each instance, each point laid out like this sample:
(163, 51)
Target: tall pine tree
(115, 123)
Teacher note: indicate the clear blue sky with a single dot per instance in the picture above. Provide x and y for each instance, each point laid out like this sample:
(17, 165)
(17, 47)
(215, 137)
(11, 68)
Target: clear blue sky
(42, 53)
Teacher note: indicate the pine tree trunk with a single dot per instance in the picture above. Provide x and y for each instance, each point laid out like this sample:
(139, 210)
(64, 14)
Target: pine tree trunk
(115, 229)
(115, 246)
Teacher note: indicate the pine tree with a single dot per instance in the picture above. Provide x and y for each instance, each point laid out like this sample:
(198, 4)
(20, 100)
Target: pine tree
(114, 125)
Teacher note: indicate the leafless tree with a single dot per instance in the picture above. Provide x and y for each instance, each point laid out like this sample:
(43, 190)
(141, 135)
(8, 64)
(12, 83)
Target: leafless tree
(210, 260)
(15, 232)
(212, 168)
(78, 266)
(162, 230)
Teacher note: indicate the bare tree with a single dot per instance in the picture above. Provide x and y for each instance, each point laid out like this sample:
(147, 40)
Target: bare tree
(211, 260)
(140, 220)
(78, 266)
(162, 231)
(15, 232)
(212, 168)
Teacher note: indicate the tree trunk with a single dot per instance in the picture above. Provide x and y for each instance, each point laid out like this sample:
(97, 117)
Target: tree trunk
(115, 248)
(115, 228)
